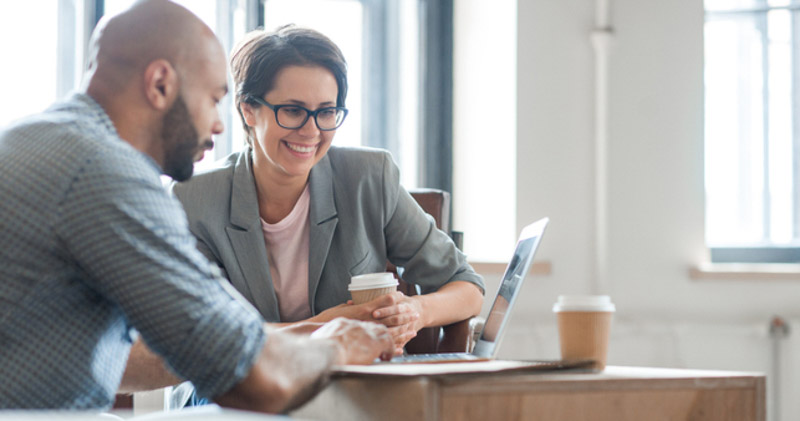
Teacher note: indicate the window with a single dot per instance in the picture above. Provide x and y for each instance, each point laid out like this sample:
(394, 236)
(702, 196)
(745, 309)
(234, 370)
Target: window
(752, 176)
(39, 41)
(400, 55)
(383, 41)
(485, 137)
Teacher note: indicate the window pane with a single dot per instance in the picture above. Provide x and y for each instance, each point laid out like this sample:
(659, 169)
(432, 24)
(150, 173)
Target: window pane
(28, 31)
(113, 7)
(204, 9)
(781, 156)
(750, 120)
(732, 5)
(490, 139)
(408, 99)
(734, 131)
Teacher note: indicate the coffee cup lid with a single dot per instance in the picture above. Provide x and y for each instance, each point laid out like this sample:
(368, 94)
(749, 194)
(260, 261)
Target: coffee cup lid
(584, 303)
(372, 280)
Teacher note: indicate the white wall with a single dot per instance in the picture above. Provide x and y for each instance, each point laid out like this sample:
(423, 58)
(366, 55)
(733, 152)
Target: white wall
(655, 193)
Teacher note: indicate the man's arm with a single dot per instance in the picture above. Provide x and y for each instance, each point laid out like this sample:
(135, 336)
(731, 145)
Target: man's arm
(145, 371)
(293, 367)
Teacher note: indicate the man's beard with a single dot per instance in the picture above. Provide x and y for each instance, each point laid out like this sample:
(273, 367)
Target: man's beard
(181, 141)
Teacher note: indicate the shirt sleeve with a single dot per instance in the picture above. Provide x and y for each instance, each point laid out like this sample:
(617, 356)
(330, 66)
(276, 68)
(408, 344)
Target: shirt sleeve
(131, 239)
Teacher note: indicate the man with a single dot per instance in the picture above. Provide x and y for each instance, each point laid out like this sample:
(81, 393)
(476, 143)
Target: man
(92, 247)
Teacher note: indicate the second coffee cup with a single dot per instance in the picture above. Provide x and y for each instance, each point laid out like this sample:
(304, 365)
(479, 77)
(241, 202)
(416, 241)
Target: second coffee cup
(367, 287)
(584, 324)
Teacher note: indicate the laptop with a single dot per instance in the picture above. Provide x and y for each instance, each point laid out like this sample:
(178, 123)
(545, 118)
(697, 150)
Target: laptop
(488, 345)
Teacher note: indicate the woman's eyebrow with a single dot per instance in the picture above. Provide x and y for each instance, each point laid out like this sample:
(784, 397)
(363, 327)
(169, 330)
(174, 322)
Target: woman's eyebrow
(305, 104)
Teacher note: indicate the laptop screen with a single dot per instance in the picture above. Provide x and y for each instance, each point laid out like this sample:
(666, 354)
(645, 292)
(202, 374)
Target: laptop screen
(510, 286)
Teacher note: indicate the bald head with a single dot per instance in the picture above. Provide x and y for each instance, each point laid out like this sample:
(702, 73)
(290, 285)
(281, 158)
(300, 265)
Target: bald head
(125, 44)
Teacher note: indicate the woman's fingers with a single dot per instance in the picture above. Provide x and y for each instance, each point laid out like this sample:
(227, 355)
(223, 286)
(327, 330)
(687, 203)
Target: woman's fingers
(400, 308)
(401, 335)
(399, 319)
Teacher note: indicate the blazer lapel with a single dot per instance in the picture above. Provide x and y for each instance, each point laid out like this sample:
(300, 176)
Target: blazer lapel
(247, 240)
(322, 222)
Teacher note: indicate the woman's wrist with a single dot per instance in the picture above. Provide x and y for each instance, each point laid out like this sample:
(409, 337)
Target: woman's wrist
(421, 307)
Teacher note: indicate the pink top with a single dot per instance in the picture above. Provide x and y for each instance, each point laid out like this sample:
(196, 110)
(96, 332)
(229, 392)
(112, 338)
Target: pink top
(287, 251)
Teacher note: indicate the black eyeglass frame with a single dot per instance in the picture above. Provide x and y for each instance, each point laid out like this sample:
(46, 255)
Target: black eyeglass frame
(309, 113)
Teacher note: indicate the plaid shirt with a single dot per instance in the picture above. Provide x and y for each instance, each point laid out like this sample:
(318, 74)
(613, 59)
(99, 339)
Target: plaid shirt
(92, 246)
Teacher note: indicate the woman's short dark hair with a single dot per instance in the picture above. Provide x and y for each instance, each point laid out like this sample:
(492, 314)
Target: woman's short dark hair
(257, 60)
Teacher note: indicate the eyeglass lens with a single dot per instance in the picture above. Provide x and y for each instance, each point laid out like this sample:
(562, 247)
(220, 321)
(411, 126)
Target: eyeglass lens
(295, 117)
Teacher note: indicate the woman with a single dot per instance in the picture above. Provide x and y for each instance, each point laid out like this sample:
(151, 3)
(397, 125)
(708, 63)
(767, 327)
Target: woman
(292, 218)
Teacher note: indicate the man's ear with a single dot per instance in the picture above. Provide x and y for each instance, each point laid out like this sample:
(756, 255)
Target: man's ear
(248, 113)
(161, 84)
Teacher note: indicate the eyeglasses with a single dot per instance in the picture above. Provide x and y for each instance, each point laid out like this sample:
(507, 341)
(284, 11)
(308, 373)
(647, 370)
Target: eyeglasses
(290, 116)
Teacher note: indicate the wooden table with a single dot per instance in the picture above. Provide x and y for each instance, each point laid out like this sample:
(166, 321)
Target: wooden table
(619, 393)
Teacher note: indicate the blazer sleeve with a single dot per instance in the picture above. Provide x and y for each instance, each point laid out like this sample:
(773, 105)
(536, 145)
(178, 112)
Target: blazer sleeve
(425, 255)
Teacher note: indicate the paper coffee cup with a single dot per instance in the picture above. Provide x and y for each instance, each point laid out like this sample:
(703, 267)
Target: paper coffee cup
(584, 327)
(370, 286)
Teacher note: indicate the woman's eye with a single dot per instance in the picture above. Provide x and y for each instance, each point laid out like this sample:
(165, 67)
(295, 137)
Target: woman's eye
(292, 111)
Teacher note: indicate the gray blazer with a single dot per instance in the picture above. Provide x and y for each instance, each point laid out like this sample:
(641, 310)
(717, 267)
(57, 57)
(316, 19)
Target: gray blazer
(360, 217)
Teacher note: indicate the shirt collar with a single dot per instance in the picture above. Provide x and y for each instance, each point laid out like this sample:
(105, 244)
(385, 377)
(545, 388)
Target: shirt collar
(103, 121)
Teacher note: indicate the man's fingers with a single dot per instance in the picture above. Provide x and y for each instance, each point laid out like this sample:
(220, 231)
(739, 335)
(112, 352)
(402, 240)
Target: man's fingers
(387, 341)
(380, 336)
(358, 342)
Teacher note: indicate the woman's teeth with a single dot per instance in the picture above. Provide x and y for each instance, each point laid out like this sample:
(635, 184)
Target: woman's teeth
(301, 149)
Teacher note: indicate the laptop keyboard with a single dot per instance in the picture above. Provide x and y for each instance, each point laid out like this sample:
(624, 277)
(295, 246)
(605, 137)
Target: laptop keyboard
(434, 358)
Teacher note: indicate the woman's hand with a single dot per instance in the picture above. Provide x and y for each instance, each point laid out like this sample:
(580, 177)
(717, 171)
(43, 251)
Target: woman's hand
(394, 315)
(402, 322)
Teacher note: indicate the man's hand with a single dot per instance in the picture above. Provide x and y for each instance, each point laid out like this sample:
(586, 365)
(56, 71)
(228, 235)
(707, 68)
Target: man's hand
(294, 366)
(145, 371)
(358, 342)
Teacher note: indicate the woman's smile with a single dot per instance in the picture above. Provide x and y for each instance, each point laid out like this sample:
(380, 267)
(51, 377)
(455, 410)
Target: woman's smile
(301, 149)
